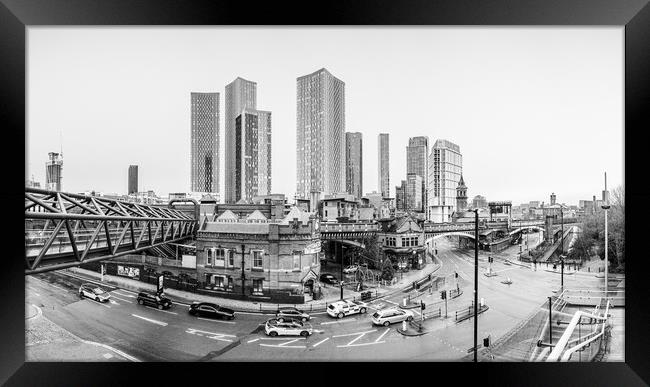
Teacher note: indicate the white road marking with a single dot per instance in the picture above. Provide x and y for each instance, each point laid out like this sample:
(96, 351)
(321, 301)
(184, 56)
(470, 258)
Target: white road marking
(113, 302)
(382, 335)
(339, 321)
(359, 345)
(252, 341)
(101, 303)
(38, 295)
(321, 342)
(318, 331)
(285, 344)
(219, 321)
(121, 299)
(210, 335)
(164, 324)
(159, 310)
(107, 356)
(392, 302)
(357, 333)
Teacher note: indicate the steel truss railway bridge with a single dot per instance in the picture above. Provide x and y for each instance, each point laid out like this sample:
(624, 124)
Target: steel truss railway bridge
(64, 230)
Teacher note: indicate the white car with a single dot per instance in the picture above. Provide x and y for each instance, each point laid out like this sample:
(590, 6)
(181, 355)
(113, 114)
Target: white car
(390, 316)
(351, 269)
(94, 292)
(339, 309)
(273, 328)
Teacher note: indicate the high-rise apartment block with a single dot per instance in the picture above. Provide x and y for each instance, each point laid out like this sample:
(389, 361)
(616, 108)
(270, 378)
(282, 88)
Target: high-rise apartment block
(445, 170)
(240, 94)
(54, 172)
(400, 196)
(205, 142)
(414, 184)
(384, 177)
(320, 139)
(252, 150)
(354, 164)
(133, 179)
(417, 163)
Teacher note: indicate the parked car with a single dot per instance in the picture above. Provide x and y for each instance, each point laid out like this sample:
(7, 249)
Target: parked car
(329, 279)
(351, 269)
(273, 328)
(155, 300)
(167, 273)
(94, 292)
(208, 309)
(389, 316)
(340, 309)
(290, 313)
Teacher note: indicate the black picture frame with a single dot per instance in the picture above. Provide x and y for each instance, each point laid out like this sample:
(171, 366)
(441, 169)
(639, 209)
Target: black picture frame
(16, 15)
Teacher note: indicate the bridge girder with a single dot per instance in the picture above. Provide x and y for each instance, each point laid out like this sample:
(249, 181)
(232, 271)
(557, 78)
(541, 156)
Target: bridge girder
(103, 227)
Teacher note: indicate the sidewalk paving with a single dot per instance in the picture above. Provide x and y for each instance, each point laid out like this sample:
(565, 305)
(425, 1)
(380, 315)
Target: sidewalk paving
(332, 293)
(46, 341)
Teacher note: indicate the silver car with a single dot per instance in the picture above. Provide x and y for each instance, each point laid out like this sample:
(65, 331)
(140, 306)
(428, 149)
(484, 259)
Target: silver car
(291, 313)
(391, 316)
(94, 292)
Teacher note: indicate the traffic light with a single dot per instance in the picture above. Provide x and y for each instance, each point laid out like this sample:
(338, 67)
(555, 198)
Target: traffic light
(486, 342)
(443, 295)
(456, 274)
(423, 306)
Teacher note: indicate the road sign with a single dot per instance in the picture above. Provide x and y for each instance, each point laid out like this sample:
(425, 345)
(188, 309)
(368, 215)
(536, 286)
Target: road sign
(161, 281)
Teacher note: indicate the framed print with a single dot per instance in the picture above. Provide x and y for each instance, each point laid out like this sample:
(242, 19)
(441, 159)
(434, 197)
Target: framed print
(428, 185)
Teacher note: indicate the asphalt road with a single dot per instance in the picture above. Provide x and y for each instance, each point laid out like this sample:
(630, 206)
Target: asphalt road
(173, 335)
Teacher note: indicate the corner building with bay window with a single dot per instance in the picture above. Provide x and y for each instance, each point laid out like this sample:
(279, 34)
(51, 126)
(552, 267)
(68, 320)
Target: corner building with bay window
(252, 257)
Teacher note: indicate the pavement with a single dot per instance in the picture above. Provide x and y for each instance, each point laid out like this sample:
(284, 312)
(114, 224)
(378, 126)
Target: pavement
(46, 341)
(331, 293)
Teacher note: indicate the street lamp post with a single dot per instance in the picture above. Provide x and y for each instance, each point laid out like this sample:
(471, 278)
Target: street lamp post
(606, 207)
(243, 276)
(562, 254)
(341, 272)
(475, 283)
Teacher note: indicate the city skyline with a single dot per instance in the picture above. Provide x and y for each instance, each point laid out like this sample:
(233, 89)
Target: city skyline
(484, 149)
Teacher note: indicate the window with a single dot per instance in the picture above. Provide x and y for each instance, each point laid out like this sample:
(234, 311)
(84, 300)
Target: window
(231, 257)
(257, 285)
(219, 255)
(405, 242)
(296, 261)
(218, 281)
(209, 261)
(257, 259)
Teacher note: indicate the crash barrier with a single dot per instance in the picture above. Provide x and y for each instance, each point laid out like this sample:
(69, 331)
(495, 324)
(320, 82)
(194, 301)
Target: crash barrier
(464, 314)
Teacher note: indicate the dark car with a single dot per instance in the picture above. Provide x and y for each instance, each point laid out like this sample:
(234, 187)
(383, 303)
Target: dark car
(167, 273)
(207, 309)
(155, 300)
(329, 279)
(291, 313)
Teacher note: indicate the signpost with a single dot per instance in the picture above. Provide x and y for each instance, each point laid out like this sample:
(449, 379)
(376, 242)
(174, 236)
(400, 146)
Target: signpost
(161, 282)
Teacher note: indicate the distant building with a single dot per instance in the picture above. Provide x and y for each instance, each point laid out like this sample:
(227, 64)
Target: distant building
(320, 139)
(354, 163)
(383, 167)
(240, 94)
(335, 206)
(252, 167)
(445, 170)
(417, 163)
(400, 196)
(402, 243)
(205, 142)
(479, 202)
(133, 179)
(414, 184)
(54, 172)
(31, 183)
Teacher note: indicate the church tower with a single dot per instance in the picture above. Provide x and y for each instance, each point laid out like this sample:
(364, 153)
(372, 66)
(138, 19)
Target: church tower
(461, 195)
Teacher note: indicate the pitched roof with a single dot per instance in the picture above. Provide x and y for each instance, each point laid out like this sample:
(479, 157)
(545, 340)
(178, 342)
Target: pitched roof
(256, 215)
(295, 212)
(227, 214)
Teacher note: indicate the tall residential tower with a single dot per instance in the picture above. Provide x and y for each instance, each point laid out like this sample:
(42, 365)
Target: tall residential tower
(205, 142)
(133, 179)
(354, 164)
(384, 177)
(417, 163)
(445, 170)
(54, 172)
(240, 94)
(320, 140)
(252, 167)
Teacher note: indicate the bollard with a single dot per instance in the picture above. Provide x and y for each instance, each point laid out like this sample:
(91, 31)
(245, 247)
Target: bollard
(404, 301)
(403, 326)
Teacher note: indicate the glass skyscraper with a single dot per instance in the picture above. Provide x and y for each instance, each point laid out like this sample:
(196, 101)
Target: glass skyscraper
(417, 153)
(205, 142)
(240, 94)
(354, 163)
(445, 170)
(252, 169)
(320, 128)
(384, 177)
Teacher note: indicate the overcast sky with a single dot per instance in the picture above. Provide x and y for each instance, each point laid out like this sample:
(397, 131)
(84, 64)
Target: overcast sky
(534, 110)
